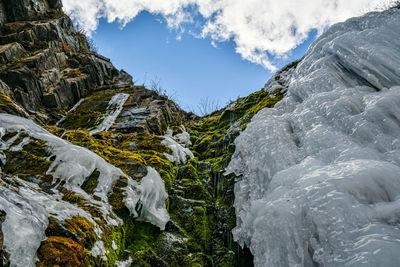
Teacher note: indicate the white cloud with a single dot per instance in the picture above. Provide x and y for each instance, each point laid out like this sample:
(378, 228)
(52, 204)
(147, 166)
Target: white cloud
(258, 27)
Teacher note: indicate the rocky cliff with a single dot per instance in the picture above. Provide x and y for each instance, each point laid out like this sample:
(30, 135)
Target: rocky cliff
(97, 171)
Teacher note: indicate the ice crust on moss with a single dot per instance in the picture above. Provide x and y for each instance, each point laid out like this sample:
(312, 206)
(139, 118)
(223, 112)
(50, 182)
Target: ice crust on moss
(114, 108)
(27, 211)
(126, 263)
(72, 164)
(320, 173)
(99, 250)
(69, 111)
(28, 208)
(23, 229)
(177, 143)
(148, 196)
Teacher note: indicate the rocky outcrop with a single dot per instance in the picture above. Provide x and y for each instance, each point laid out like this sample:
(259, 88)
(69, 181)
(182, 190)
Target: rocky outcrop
(46, 64)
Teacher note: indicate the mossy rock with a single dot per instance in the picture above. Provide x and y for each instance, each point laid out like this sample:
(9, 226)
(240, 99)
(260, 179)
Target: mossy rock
(82, 229)
(31, 161)
(117, 195)
(198, 260)
(62, 251)
(90, 113)
(91, 182)
(7, 105)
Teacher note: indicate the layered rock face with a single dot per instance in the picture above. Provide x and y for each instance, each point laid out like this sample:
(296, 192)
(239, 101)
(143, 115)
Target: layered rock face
(96, 171)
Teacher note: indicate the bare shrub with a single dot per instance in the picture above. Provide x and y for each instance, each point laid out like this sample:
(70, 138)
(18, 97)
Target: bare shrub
(207, 106)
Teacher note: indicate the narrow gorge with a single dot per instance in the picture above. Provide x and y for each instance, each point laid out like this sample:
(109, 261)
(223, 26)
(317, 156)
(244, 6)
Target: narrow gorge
(98, 171)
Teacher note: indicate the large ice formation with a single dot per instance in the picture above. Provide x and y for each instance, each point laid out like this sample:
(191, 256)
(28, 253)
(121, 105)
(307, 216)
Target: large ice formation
(320, 173)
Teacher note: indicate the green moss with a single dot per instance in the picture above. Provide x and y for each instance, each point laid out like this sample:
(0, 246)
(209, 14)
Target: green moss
(82, 229)
(116, 196)
(190, 170)
(14, 61)
(91, 182)
(105, 147)
(73, 198)
(8, 106)
(30, 161)
(202, 228)
(114, 235)
(141, 236)
(143, 258)
(90, 113)
(198, 260)
(115, 149)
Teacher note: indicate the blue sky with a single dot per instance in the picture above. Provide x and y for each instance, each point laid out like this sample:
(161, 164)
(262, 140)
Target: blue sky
(190, 68)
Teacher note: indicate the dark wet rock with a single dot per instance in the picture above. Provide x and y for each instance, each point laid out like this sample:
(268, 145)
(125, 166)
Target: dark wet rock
(55, 4)
(136, 170)
(4, 89)
(28, 88)
(11, 52)
(24, 9)
(4, 256)
(3, 18)
(46, 60)
(51, 100)
(57, 33)
(129, 119)
(124, 79)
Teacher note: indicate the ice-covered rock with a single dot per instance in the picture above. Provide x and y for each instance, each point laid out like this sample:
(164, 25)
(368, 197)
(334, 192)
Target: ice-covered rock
(126, 263)
(177, 143)
(114, 108)
(320, 173)
(71, 110)
(27, 207)
(99, 250)
(27, 210)
(23, 229)
(150, 195)
(72, 164)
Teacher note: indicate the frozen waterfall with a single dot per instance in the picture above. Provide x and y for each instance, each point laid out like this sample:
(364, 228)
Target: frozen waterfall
(320, 173)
